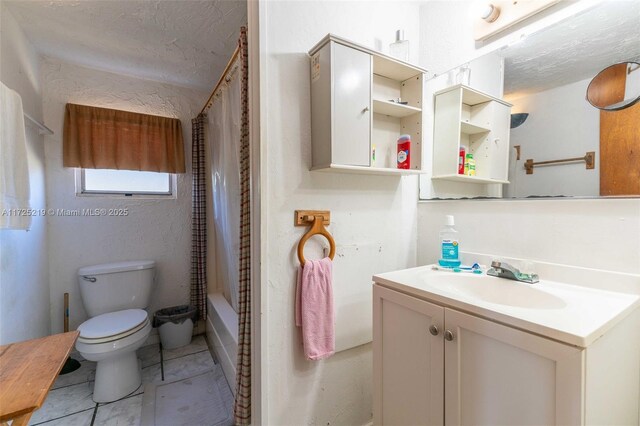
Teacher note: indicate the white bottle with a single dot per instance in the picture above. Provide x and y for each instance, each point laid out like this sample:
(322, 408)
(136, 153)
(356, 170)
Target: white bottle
(449, 245)
(400, 48)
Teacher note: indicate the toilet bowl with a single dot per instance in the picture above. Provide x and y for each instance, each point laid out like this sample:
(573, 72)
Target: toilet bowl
(113, 295)
(111, 340)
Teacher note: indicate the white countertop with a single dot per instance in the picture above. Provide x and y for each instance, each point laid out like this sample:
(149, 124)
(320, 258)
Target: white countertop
(573, 314)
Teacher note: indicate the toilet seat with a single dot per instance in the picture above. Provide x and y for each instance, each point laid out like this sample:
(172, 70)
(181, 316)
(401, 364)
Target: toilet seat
(94, 350)
(112, 326)
(117, 369)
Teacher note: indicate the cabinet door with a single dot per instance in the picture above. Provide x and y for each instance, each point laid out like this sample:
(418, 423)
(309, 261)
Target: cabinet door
(407, 360)
(497, 151)
(498, 375)
(351, 132)
(446, 133)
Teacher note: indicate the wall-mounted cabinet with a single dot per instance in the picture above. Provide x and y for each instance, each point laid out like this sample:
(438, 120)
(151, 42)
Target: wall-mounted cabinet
(358, 108)
(480, 123)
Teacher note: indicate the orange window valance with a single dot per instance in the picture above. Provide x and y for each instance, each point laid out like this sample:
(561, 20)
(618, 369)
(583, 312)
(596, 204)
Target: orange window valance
(103, 138)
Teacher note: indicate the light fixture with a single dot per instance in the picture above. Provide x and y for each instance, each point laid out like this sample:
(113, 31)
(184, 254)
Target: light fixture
(491, 17)
(490, 12)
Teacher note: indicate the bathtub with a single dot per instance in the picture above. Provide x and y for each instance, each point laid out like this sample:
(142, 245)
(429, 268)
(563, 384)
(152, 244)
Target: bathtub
(222, 334)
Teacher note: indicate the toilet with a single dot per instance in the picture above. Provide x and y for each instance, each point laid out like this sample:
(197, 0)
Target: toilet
(114, 296)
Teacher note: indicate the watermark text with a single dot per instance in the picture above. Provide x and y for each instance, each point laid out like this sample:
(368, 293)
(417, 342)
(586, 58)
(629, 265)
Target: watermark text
(65, 212)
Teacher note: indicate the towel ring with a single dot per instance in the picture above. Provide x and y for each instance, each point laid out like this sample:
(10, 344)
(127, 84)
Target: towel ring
(317, 228)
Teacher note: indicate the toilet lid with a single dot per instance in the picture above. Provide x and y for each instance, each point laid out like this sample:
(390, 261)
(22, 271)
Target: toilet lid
(112, 323)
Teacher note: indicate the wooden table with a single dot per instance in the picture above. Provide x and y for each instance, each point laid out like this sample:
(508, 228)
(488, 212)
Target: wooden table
(27, 372)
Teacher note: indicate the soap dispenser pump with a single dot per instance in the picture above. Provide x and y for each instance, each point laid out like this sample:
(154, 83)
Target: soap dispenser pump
(449, 245)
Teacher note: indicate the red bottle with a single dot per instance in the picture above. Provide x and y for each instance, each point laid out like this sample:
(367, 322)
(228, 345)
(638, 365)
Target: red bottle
(404, 152)
(461, 157)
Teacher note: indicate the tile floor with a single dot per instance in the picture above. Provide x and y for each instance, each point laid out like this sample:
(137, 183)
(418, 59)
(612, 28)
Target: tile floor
(69, 402)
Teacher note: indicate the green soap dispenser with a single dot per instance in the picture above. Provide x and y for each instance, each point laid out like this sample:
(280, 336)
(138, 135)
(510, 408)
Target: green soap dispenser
(449, 245)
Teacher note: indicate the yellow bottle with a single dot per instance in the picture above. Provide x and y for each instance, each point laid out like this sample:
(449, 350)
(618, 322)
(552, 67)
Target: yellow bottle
(469, 165)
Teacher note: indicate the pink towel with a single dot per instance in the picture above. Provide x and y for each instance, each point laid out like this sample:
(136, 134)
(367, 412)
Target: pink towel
(314, 308)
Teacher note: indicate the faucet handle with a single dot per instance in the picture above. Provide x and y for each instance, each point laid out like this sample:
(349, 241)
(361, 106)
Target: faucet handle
(504, 266)
(504, 270)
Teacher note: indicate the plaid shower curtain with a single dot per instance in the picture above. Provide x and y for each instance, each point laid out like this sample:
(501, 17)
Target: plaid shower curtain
(198, 219)
(242, 408)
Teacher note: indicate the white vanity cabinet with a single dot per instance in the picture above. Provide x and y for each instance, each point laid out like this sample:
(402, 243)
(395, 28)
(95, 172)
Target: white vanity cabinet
(356, 118)
(480, 122)
(498, 375)
(435, 365)
(408, 360)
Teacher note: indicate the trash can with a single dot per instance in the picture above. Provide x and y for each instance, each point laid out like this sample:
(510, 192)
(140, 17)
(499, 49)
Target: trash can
(175, 325)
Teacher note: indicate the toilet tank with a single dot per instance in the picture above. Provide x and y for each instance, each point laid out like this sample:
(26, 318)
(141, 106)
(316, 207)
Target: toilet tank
(113, 287)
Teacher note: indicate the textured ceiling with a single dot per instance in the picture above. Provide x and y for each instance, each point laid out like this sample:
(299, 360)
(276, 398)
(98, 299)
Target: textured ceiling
(186, 42)
(574, 49)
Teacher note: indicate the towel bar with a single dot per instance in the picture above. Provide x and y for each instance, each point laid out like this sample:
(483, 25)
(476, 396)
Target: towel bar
(589, 159)
(317, 219)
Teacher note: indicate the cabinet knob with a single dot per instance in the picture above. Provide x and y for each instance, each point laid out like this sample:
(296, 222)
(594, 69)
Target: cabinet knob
(365, 109)
(434, 330)
(448, 335)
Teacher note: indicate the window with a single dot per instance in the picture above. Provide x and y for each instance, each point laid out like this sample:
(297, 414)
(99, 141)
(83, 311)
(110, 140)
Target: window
(124, 182)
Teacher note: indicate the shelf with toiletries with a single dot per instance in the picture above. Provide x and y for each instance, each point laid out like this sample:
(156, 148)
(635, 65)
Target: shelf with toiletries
(468, 121)
(362, 102)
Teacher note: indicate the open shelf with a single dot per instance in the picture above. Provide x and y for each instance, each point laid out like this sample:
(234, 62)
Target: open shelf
(393, 68)
(470, 96)
(393, 109)
(366, 170)
(468, 179)
(465, 117)
(472, 129)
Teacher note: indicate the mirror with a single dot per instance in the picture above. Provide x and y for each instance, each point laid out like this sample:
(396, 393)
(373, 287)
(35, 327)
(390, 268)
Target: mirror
(615, 87)
(559, 144)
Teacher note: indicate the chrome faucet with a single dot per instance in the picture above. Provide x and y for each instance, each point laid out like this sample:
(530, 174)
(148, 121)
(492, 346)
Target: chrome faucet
(504, 270)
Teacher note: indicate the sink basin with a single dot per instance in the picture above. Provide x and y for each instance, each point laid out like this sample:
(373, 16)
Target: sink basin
(498, 290)
(571, 304)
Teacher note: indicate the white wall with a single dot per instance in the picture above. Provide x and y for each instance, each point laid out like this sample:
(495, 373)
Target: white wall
(441, 54)
(366, 211)
(601, 234)
(24, 287)
(560, 125)
(592, 233)
(157, 229)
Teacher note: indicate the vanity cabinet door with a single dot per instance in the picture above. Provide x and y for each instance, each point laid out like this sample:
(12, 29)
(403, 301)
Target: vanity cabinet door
(496, 374)
(407, 360)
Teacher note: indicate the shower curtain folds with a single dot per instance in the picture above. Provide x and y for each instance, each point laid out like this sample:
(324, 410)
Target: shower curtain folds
(224, 140)
(198, 219)
(242, 409)
(228, 137)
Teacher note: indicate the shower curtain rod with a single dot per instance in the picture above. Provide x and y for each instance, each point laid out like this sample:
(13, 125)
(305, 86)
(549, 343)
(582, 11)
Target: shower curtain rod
(42, 129)
(224, 74)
